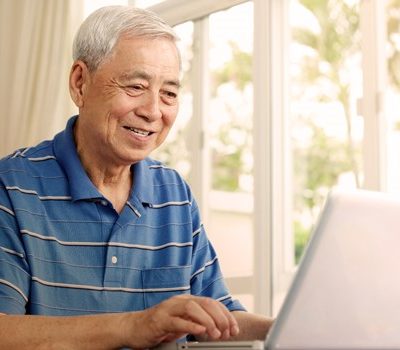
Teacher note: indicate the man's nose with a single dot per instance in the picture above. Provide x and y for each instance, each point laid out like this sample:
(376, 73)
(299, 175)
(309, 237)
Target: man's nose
(149, 107)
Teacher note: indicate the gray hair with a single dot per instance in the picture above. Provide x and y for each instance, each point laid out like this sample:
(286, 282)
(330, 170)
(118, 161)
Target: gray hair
(99, 33)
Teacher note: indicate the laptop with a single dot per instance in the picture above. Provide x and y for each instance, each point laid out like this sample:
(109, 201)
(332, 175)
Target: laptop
(346, 292)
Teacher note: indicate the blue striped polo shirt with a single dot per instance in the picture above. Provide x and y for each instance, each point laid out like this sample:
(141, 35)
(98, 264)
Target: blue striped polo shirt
(64, 250)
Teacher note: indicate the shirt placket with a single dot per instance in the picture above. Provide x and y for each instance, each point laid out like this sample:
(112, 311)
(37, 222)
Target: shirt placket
(118, 246)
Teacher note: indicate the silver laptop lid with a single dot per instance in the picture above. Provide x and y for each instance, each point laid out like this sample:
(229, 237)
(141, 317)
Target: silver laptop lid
(346, 293)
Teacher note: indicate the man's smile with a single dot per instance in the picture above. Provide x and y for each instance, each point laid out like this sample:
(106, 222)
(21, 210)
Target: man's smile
(138, 132)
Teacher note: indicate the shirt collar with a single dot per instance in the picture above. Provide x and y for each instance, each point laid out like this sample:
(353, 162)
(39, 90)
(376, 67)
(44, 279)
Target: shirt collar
(143, 187)
(81, 187)
(67, 156)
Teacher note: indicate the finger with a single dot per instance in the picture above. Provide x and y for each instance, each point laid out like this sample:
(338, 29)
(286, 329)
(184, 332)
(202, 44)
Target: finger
(208, 312)
(226, 335)
(218, 313)
(194, 310)
(223, 318)
(181, 326)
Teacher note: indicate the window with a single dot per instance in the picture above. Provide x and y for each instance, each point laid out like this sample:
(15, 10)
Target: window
(326, 132)
(229, 133)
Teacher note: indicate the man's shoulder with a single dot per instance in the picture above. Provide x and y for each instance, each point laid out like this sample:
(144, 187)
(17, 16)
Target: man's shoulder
(165, 180)
(43, 147)
(30, 161)
(161, 172)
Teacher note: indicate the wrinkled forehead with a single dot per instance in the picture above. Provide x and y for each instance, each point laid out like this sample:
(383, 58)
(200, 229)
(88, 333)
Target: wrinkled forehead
(127, 38)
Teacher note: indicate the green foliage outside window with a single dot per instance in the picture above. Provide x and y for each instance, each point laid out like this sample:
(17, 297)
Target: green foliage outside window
(228, 156)
(317, 167)
(326, 159)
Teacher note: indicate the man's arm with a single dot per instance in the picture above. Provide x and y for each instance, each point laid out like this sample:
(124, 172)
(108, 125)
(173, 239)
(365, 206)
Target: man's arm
(165, 322)
(47, 332)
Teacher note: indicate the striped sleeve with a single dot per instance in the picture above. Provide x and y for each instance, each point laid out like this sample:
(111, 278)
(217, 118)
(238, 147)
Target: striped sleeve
(14, 270)
(206, 278)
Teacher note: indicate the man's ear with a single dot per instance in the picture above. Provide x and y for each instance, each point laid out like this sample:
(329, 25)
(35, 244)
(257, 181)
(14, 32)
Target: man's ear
(78, 80)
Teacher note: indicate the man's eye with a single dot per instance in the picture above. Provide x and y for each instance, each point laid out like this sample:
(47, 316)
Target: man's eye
(136, 87)
(170, 94)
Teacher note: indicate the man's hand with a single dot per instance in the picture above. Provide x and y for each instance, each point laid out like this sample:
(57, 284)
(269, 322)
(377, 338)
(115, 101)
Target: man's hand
(176, 317)
(172, 319)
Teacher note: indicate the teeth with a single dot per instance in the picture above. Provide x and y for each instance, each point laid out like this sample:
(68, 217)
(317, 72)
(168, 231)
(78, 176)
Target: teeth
(138, 131)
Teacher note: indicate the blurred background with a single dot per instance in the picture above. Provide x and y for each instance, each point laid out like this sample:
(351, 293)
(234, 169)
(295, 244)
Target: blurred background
(282, 100)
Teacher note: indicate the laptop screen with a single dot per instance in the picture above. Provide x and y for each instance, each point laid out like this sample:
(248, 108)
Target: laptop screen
(346, 293)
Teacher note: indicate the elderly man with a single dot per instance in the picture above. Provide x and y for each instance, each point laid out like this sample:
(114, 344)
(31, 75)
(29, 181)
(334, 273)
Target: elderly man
(102, 247)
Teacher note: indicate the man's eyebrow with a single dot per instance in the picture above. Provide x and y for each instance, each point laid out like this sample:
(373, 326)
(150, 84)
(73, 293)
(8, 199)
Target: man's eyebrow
(136, 75)
(174, 83)
(145, 76)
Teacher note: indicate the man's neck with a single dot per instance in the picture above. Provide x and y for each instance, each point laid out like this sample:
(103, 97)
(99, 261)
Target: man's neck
(115, 186)
(112, 180)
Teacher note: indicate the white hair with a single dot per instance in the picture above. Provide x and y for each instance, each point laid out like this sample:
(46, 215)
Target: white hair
(99, 33)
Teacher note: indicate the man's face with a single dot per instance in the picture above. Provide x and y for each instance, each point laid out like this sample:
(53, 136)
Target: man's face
(130, 102)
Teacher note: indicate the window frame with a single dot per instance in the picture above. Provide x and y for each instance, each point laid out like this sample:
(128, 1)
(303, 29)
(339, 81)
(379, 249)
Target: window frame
(372, 105)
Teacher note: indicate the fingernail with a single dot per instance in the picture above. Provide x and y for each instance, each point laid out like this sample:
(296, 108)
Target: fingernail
(235, 330)
(216, 333)
(226, 335)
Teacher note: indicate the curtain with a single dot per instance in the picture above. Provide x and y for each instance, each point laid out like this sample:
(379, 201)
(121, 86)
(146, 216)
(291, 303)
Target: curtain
(35, 59)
